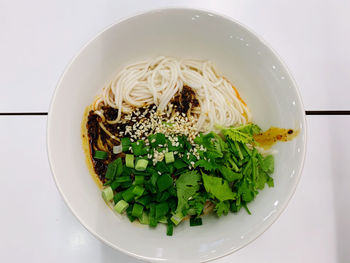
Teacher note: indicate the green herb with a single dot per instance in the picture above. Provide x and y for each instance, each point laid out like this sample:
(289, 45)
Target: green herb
(218, 187)
(229, 175)
(267, 164)
(222, 208)
(242, 133)
(187, 185)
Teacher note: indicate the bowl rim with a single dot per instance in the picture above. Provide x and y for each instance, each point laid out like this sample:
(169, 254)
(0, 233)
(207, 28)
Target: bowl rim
(149, 12)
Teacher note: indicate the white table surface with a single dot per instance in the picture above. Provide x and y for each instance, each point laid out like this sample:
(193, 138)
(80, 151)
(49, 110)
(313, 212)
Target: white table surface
(38, 38)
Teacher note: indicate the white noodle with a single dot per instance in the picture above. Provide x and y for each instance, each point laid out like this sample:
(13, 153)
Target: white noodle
(159, 80)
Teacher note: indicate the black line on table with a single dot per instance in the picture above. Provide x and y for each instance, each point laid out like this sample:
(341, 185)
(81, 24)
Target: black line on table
(23, 113)
(308, 112)
(327, 112)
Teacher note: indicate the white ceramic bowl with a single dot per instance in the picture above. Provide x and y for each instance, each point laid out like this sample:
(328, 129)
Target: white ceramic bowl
(240, 55)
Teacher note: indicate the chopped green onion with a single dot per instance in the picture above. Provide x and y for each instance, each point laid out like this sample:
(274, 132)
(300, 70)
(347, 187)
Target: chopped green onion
(170, 228)
(107, 194)
(144, 219)
(195, 221)
(108, 182)
(128, 194)
(162, 196)
(161, 210)
(137, 210)
(115, 185)
(141, 165)
(139, 179)
(111, 170)
(129, 160)
(129, 213)
(119, 164)
(138, 190)
(161, 167)
(121, 206)
(122, 179)
(154, 179)
(163, 220)
(144, 200)
(179, 164)
(126, 184)
(117, 197)
(152, 215)
(160, 139)
(117, 149)
(164, 182)
(169, 157)
(177, 218)
(126, 143)
(101, 155)
(138, 148)
(152, 140)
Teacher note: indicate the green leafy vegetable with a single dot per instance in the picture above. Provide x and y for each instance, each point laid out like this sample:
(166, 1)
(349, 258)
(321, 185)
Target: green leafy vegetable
(267, 164)
(186, 185)
(229, 175)
(218, 187)
(222, 208)
(242, 133)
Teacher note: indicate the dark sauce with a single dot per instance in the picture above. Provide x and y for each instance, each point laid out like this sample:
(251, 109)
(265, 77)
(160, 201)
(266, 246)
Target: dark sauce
(183, 102)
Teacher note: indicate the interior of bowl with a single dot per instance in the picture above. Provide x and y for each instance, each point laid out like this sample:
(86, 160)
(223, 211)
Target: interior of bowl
(240, 56)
